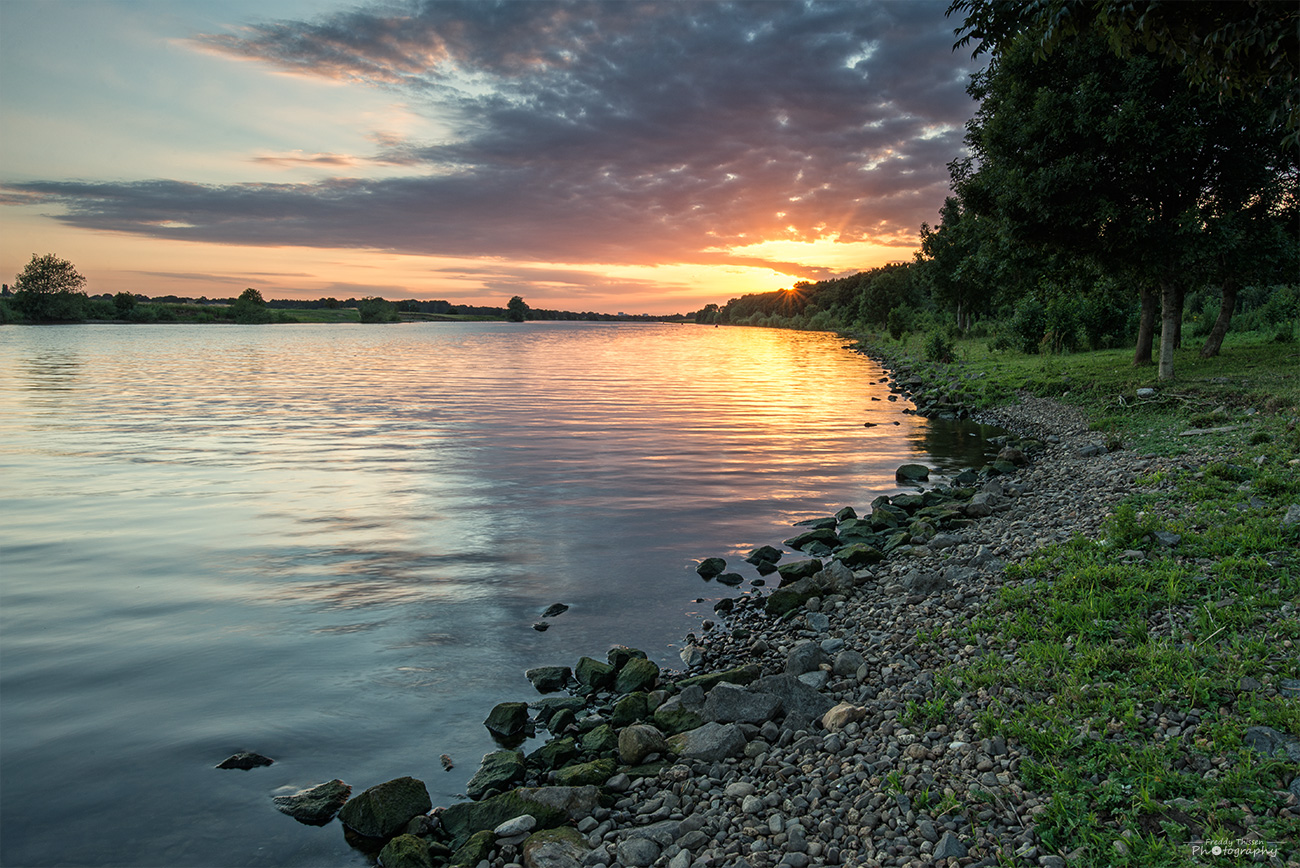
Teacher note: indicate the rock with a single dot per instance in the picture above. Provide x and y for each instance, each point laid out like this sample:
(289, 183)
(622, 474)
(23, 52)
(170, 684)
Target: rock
(406, 851)
(1292, 517)
(1268, 741)
(552, 754)
(602, 739)
(841, 716)
(594, 773)
(847, 663)
(711, 742)
(1146, 393)
(731, 579)
(1014, 456)
(620, 655)
(1165, 538)
(729, 703)
(918, 582)
(638, 852)
(821, 535)
(630, 709)
(384, 809)
(507, 719)
(1289, 688)
(520, 825)
(764, 554)
(673, 717)
(316, 805)
(795, 695)
(573, 802)
(796, 570)
(692, 656)
(638, 741)
(710, 567)
(637, 674)
(555, 848)
(466, 818)
(498, 771)
(804, 657)
(555, 609)
(477, 848)
(593, 673)
(855, 556)
(912, 473)
(738, 675)
(548, 679)
(949, 847)
(245, 760)
(541, 626)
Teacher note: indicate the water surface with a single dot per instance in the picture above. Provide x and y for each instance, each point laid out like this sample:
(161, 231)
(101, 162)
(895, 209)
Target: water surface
(328, 544)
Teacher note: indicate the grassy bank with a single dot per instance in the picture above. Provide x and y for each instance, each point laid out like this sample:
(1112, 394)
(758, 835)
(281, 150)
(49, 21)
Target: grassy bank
(1130, 667)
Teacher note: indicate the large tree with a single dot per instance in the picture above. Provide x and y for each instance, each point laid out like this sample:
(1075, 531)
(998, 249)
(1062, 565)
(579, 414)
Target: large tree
(50, 289)
(1116, 159)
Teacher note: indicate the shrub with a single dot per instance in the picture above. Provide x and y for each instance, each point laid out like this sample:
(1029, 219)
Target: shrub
(899, 322)
(938, 348)
(1028, 323)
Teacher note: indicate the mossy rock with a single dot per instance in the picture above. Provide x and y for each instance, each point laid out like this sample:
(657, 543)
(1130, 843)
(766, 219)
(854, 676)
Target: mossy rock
(912, 473)
(817, 535)
(406, 851)
(507, 719)
(474, 850)
(465, 818)
(600, 740)
(908, 502)
(676, 719)
(637, 674)
(498, 771)
(384, 809)
(630, 709)
(737, 675)
(595, 772)
(593, 673)
(560, 846)
(553, 754)
(789, 599)
(859, 555)
(710, 567)
(796, 570)
(620, 655)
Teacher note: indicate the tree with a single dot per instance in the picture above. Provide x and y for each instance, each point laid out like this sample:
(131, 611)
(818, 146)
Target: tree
(250, 307)
(375, 309)
(1118, 160)
(50, 289)
(516, 309)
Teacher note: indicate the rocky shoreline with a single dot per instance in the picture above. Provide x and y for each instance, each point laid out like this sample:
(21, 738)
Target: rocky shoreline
(799, 730)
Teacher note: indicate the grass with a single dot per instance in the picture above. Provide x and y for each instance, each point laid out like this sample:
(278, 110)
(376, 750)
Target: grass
(1090, 652)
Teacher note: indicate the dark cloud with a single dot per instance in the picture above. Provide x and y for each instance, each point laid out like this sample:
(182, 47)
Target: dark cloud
(614, 132)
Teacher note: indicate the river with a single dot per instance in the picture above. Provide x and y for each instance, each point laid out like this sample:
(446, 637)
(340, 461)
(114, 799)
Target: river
(329, 544)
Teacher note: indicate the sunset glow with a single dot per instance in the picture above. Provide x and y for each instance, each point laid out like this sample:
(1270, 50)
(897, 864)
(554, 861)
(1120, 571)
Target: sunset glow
(592, 156)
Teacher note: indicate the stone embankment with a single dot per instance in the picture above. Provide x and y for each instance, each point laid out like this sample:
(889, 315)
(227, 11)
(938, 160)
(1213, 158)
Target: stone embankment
(796, 733)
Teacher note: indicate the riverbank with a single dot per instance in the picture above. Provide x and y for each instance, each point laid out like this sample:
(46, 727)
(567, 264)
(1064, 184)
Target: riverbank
(1083, 663)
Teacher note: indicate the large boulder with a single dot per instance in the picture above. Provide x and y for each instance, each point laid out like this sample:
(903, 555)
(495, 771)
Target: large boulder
(796, 697)
(507, 719)
(710, 567)
(594, 673)
(674, 716)
(738, 675)
(498, 771)
(553, 754)
(796, 570)
(637, 674)
(822, 535)
(600, 740)
(548, 679)
(384, 809)
(575, 802)
(791, 597)
(912, 473)
(593, 773)
(475, 850)
(805, 657)
(638, 741)
(730, 703)
(764, 554)
(712, 742)
(316, 805)
(858, 555)
(465, 818)
(630, 709)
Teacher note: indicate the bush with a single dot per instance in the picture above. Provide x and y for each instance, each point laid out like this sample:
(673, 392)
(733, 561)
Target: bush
(1061, 324)
(938, 348)
(1028, 323)
(376, 309)
(899, 322)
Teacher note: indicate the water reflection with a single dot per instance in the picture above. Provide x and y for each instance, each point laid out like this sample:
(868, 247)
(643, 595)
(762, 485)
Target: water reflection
(329, 544)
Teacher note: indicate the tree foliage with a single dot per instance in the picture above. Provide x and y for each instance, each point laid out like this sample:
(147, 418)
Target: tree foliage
(516, 309)
(50, 289)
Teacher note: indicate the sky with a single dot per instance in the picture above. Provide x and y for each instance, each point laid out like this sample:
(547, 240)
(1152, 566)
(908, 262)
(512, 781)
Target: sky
(618, 155)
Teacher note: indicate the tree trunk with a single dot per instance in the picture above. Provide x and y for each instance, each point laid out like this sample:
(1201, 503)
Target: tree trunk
(1178, 329)
(1168, 328)
(1146, 328)
(1214, 342)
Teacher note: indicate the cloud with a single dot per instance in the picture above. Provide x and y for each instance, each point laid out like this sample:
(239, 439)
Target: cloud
(610, 132)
